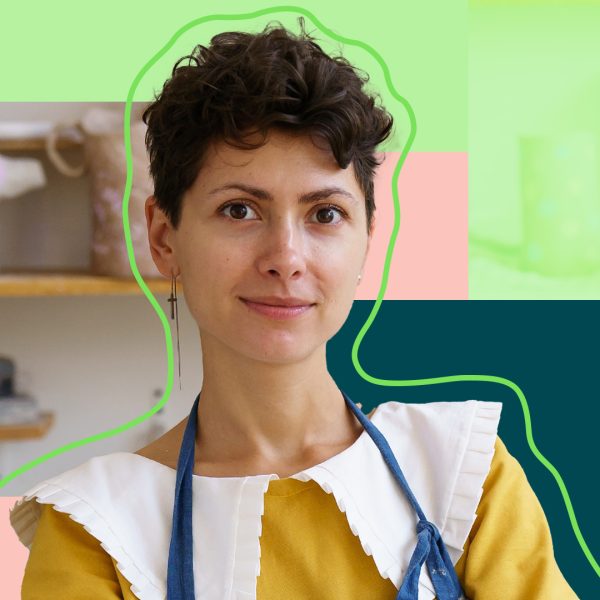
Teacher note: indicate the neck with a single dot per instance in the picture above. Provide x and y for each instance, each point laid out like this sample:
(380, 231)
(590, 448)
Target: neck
(252, 411)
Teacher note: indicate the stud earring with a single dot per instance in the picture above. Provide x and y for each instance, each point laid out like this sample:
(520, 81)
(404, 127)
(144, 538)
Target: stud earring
(175, 315)
(359, 278)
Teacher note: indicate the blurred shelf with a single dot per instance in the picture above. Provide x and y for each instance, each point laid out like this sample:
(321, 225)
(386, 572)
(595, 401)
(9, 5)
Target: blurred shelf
(74, 284)
(34, 144)
(36, 429)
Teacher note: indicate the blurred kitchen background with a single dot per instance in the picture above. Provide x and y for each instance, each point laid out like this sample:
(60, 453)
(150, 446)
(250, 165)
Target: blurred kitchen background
(534, 149)
(82, 351)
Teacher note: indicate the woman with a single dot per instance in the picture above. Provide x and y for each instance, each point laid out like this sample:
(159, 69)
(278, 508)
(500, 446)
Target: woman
(276, 485)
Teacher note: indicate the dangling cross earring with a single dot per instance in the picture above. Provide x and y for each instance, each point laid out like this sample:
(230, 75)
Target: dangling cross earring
(175, 315)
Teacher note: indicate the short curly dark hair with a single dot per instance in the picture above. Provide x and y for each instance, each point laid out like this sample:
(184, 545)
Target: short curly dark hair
(245, 83)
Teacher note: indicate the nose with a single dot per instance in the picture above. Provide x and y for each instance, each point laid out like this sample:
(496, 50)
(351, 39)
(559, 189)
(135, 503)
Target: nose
(282, 253)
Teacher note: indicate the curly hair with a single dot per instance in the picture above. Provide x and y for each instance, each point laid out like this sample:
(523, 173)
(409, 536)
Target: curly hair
(245, 83)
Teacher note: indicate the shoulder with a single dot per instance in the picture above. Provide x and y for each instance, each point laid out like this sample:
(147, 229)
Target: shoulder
(94, 492)
(113, 497)
(445, 450)
(65, 559)
(441, 419)
(510, 539)
(454, 440)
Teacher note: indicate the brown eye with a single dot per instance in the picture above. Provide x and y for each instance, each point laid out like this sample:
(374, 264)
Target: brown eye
(327, 215)
(237, 211)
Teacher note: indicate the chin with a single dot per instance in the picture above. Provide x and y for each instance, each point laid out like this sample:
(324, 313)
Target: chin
(274, 349)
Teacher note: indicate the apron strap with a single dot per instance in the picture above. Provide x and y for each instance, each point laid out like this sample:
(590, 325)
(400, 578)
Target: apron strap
(180, 570)
(430, 546)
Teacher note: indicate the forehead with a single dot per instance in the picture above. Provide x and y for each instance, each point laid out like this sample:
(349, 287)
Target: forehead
(285, 159)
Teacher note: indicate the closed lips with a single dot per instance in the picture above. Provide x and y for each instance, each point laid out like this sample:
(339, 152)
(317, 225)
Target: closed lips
(272, 301)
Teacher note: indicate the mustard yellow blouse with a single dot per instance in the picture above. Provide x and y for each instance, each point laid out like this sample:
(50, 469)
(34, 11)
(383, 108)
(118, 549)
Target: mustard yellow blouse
(309, 551)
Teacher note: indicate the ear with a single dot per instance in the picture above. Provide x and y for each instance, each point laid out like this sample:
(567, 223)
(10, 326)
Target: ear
(161, 239)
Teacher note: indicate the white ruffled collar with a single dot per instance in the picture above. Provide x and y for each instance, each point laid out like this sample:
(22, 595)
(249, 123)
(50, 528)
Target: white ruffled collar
(443, 448)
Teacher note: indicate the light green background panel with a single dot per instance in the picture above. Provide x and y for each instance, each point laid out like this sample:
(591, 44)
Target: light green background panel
(67, 51)
(534, 150)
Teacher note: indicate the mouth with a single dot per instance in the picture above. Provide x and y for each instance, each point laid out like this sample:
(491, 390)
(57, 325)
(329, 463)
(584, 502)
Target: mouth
(280, 309)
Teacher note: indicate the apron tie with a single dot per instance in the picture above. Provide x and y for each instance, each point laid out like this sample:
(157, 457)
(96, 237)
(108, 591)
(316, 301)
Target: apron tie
(431, 549)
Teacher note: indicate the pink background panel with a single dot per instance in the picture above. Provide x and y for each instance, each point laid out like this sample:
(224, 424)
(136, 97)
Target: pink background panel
(12, 553)
(430, 259)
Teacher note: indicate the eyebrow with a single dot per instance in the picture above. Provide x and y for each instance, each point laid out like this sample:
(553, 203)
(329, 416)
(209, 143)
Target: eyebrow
(307, 198)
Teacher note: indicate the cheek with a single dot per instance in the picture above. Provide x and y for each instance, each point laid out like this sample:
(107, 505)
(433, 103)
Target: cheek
(339, 277)
(216, 264)
(207, 274)
(342, 265)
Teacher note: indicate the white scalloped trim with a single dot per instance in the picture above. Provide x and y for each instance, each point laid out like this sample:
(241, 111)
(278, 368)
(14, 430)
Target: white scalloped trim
(472, 430)
(388, 566)
(251, 508)
(479, 423)
(472, 472)
(25, 514)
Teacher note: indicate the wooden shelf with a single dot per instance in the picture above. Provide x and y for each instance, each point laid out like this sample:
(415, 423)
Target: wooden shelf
(74, 284)
(26, 431)
(35, 144)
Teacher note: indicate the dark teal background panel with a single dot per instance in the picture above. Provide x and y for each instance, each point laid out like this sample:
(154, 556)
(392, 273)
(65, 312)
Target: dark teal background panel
(548, 348)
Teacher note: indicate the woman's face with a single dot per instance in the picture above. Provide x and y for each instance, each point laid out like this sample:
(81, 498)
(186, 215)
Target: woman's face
(259, 227)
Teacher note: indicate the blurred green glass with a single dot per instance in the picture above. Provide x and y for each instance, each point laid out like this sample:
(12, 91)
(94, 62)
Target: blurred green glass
(560, 204)
(534, 150)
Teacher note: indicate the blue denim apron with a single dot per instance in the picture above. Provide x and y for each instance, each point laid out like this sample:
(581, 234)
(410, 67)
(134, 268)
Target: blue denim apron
(430, 547)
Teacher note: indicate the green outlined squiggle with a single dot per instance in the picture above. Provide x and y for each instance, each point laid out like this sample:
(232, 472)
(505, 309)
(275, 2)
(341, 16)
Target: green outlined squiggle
(389, 254)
